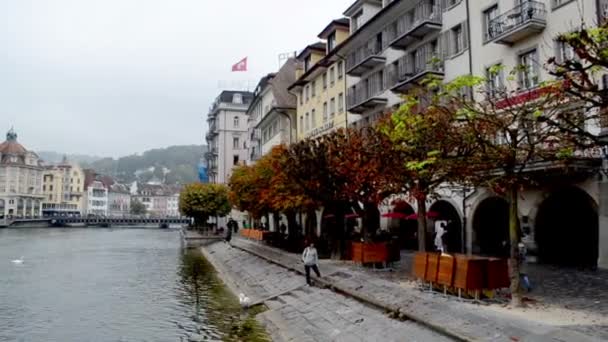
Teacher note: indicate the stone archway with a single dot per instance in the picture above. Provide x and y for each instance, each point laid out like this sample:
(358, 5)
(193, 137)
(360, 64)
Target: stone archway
(567, 228)
(491, 227)
(454, 238)
(405, 230)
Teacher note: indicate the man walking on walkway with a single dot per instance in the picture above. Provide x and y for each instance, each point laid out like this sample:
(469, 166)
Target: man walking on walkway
(310, 259)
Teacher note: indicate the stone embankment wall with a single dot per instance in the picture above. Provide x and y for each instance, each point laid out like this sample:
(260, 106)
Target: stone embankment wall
(297, 312)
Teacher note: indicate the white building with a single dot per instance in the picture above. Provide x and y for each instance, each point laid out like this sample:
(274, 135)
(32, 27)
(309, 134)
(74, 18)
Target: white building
(20, 180)
(96, 199)
(227, 134)
(396, 43)
(272, 112)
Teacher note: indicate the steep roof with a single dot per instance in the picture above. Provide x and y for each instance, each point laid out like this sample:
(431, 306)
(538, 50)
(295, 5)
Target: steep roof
(11, 146)
(281, 82)
(11, 149)
(333, 25)
(227, 95)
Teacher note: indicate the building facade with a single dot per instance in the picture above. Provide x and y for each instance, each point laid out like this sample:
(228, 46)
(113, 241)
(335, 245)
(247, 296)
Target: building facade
(20, 180)
(63, 188)
(96, 188)
(272, 112)
(321, 84)
(159, 200)
(96, 199)
(119, 201)
(227, 134)
(393, 45)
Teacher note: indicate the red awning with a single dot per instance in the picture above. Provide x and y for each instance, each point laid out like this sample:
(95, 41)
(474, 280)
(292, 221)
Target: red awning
(430, 214)
(395, 215)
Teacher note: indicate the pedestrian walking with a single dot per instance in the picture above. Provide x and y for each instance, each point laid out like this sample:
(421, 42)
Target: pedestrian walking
(310, 257)
(232, 225)
(228, 235)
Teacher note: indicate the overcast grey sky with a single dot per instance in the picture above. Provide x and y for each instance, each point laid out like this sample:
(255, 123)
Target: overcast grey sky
(116, 77)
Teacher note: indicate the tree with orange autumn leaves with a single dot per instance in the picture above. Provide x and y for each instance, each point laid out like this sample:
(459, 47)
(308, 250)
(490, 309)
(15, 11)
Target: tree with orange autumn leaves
(264, 188)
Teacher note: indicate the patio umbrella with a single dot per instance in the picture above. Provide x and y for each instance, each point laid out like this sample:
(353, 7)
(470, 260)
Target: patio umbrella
(395, 215)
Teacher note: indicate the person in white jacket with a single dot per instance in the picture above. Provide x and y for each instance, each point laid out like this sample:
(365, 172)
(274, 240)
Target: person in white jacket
(310, 259)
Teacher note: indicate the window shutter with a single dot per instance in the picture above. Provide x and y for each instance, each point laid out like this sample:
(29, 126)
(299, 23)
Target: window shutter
(465, 35)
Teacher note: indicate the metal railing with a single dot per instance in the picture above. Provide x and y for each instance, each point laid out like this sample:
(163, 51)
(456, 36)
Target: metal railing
(423, 11)
(423, 59)
(366, 89)
(372, 48)
(516, 17)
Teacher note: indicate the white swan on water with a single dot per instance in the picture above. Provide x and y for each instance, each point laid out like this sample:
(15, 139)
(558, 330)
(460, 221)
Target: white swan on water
(18, 261)
(244, 300)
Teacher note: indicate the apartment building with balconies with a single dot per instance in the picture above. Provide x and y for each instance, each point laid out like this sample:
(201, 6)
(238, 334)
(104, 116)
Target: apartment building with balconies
(320, 87)
(401, 42)
(392, 51)
(272, 112)
(227, 134)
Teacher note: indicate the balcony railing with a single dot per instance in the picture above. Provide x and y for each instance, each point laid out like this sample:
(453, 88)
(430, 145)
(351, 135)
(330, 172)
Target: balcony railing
(413, 67)
(367, 93)
(414, 25)
(524, 20)
(364, 58)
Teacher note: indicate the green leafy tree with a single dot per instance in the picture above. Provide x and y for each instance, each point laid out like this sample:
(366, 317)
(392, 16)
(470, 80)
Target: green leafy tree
(137, 208)
(433, 149)
(580, 69)
(512, 141)
(201, 201)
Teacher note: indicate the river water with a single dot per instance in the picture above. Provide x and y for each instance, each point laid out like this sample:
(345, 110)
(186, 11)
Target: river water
(108, 285)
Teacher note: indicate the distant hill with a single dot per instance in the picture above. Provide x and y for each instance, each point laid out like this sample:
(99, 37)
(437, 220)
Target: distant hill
(51, 157)
(171, 165)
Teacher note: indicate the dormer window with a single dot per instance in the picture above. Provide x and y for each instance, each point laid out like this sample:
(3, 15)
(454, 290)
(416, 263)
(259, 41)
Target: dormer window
(237, 98)
(307, 63)
(331, 42)
(357, 20)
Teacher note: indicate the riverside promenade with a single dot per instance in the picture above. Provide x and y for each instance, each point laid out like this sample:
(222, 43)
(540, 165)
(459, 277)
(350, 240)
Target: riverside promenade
(300, 313)
(381, 293)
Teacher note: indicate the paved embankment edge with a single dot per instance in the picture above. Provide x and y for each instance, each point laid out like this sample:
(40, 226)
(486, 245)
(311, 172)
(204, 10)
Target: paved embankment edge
(365, 299)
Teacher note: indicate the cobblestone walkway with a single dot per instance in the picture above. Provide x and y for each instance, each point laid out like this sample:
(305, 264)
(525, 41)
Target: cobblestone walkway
(472, 321)
(301, 313)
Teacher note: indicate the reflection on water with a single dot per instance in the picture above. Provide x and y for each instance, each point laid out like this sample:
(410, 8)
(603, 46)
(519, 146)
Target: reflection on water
(110, 285)
(222, 314)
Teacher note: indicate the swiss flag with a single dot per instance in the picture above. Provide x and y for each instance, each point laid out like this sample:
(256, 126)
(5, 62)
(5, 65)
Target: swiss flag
(241, 65)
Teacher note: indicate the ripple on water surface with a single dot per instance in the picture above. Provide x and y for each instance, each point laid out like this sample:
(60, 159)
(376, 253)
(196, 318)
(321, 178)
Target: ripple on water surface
(106, 285)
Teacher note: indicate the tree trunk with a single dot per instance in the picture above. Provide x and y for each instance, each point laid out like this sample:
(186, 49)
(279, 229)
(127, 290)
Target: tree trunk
(291, 222)
(421, 203)
(514, 241)
(371, 219)
(275, 218)
(338, 242)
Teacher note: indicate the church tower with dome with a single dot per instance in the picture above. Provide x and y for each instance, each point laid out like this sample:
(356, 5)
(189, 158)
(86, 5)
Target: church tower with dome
(20, 180)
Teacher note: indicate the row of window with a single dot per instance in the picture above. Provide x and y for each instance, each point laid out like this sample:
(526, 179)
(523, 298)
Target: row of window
(310, 90)
(528, 70)
(308, 120)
